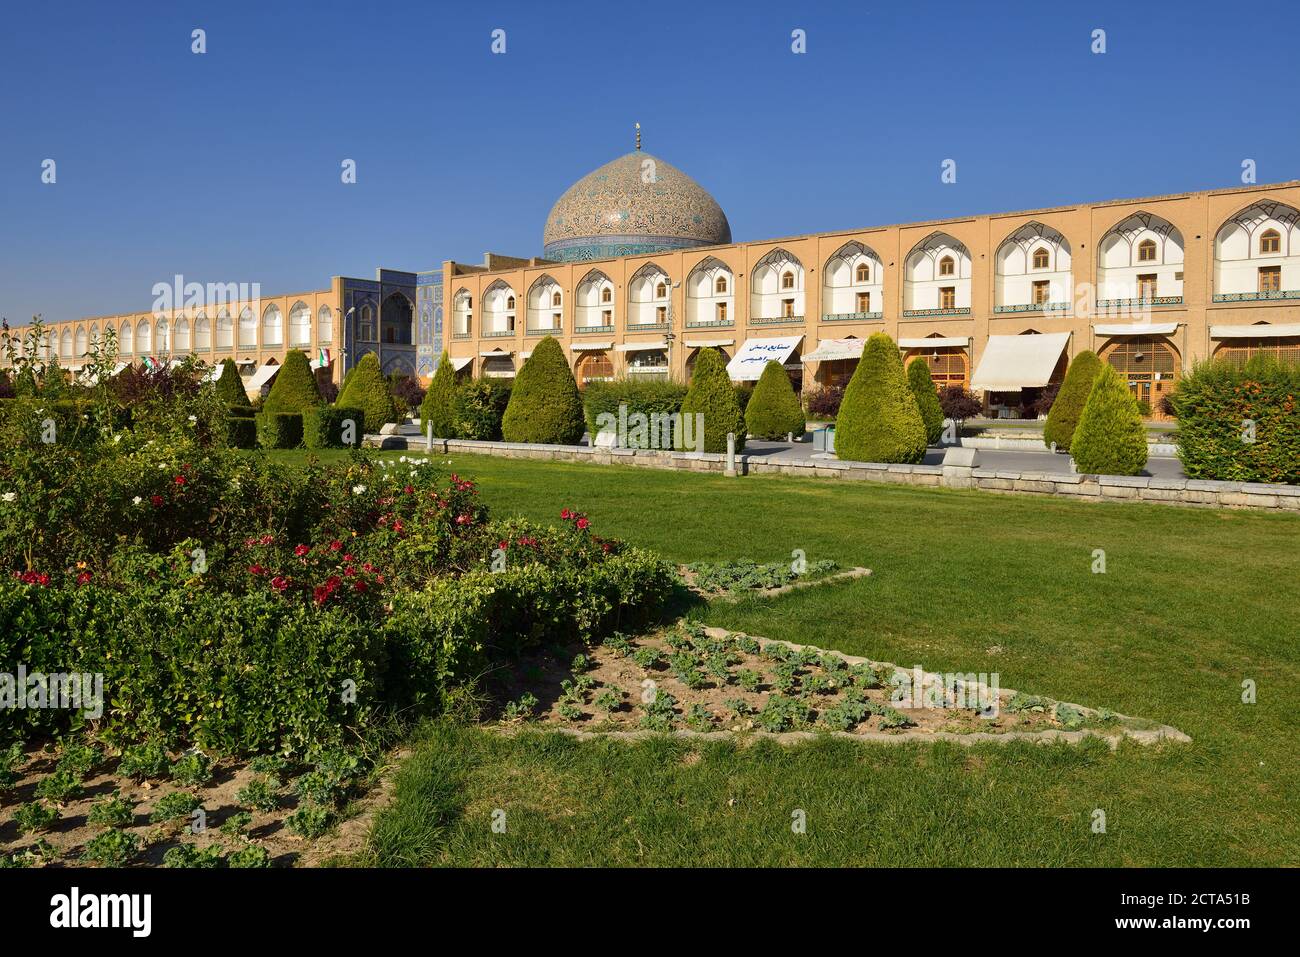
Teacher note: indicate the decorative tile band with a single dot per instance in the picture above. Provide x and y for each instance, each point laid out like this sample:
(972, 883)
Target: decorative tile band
(852, 316)
(648, 327)
(1061, 307)
(924, 313)
(498, 334)
(710, 324)
(460, 335)
(1257, 296)
(543, 332)
(775, 320)
(579, 330)
(1157, 301)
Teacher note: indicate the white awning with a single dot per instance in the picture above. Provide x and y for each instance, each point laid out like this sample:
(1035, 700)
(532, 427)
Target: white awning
(755, 354)
(495, 352)
(1012, 363)
(262, 376)
(708, 343)
(213, 374)
(245, 362)
(316, 364)
(830, 349)
(591, 346)
(1137, 329)
(460, 362)
(119, 367)
(175, 363)
(1255, 332)
(640, 346)
(935, 342)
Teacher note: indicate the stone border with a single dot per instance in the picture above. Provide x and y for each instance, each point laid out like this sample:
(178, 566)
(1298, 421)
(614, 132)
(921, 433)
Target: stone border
(1088, 488)
(1162, 732)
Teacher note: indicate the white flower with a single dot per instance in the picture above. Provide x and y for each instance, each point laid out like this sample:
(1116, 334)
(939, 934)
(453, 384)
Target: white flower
(117, 438)
(358, 489)
(193, 419)
(402, 459)
(137, 500)
(9, 496)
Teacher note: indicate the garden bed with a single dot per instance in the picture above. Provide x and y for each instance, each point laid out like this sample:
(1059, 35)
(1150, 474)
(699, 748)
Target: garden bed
(737, 579)
(691, 679)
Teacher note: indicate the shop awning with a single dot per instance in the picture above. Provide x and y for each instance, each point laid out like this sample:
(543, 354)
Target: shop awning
(830, 349)
(245, 362)
(1137, 329)
(591, 346)
(707, 343)
(1012, 363)
(748, 364)
(496, 352)
(640, 346)
(1255, 332)
(935, 342)
(460, 362)
(262, 376)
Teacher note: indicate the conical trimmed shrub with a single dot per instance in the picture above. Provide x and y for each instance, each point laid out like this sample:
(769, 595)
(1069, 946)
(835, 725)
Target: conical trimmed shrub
(712, 396)
(544, 403)
(927, 399)
(1110, 438)
(438, 410)
(1063, 416)
(230, 386)
(294, 388)
(367, 389)
(879, 420)
(774, 411)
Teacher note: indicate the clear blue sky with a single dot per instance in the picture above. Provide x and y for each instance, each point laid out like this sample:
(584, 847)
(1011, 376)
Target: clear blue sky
(225, 167)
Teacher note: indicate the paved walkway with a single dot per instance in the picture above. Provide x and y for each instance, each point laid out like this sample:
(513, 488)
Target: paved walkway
(1018, 460)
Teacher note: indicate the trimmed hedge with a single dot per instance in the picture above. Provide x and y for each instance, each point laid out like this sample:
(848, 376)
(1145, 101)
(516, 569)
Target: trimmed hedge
(1216, 405)
(1063, 417)
(367, 389)
(438, 410)
(242, 412)
(927, 398)
(773, 410)
(279, 430)
(1110, 438)
(230, 386)
(241, 433)
(294, 388)
(714, 397)
(879, 420)
(651, 398)
(544, 404)
(480, 406)
(322, 427)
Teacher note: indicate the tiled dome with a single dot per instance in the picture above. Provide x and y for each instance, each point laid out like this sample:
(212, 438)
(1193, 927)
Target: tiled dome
(614, 211)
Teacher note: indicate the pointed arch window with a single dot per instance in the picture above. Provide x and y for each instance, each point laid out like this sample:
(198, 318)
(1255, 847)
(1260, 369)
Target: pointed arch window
(787, 280)
(1147, 251)
(1042, 259)
(607, 295)
(863, 273)
(720, 285)
(661, 290)
(947, 266)
(555, 299)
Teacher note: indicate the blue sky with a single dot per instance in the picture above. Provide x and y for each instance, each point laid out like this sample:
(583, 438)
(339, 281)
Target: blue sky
(225, 167)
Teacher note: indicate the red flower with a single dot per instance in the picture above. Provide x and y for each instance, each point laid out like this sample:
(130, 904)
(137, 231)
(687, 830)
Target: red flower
(368, 567)
(302, 550)
(279, 583)
(266, 540)
(583, 523)
(359, 585)
(463, 520)
(156, 500)
(255, 569)
(347, 558)
(565, 513)
(503, 544)
(83, 578)
(335, 545)
(319, 594)
(179, 480)
(409, 490)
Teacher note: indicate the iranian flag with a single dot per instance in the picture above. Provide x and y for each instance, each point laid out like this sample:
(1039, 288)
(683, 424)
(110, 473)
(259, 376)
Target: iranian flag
(151, 363)
(324, 358)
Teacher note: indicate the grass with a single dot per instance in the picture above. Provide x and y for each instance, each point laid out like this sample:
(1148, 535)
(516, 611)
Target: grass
(1192, 603)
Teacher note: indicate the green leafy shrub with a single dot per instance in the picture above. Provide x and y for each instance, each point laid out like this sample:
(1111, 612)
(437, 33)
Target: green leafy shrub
(236, 824)
(1063, 417)
(927, 398)
(190, 856)
(659, 400)
(241, 433)
(367, 389)
(712, 396)
(280, 430)
(35, 816)
(60, 785)
(11, 758)
(544, 404)
(294, 388)
(438, 410)
(173, 806)
(80, 758)
(480, 407)
(1240, 423)
(230, 387)
(144, 761)
(1110, 438)
(311, 820)
(249, 856)
(324, 427)
(112, 811)
(879, 420)
(193, 769)
(111, 848)
(773, 410)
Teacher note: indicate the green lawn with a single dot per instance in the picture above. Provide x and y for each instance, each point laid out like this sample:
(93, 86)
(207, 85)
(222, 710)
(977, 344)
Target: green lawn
(1192, 603)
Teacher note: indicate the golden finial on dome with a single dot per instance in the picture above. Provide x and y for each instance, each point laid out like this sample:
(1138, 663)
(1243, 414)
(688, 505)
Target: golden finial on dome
(638, 136)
